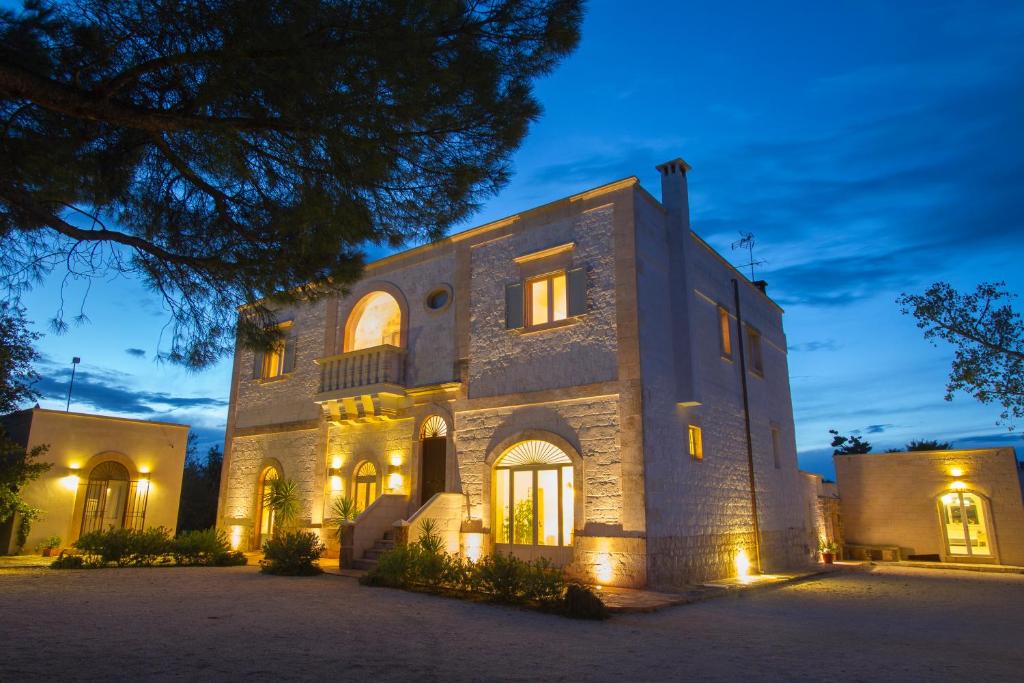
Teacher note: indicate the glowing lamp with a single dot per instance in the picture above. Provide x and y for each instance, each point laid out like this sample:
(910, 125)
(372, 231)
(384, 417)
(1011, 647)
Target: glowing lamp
(144, 469)
(956, 472)
(336, 462)
(473, 546)
(603, 568)
(742, 563)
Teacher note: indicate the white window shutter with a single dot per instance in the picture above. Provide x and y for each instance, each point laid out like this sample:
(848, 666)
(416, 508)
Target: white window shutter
(514, 306)
(577, 291)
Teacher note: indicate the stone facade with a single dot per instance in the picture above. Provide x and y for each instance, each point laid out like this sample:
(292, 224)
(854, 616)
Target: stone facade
(628, 359)
(895, 501)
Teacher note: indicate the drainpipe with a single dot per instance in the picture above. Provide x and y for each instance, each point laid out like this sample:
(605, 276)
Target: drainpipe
(746, 418)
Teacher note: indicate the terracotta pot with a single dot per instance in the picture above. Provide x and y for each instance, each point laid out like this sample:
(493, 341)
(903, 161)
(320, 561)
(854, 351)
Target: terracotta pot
(827, 558)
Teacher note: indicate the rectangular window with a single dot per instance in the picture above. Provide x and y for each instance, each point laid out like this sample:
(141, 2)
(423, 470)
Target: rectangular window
(724, 332)
(696, 443)
(278, 362)
(273, 362)
(756, 358)
(776, 456)
(547, 299)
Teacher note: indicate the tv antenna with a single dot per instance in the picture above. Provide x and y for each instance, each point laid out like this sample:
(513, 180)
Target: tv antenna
(746, 241)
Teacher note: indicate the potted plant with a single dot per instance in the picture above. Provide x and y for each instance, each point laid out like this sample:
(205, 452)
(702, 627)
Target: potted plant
(49, 546)
(828, 551)
(345, 513)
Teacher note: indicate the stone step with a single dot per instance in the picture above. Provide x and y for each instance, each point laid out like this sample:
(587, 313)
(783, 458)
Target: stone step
(364, 564)
(383, 545)
(389, 535)
(373, 554)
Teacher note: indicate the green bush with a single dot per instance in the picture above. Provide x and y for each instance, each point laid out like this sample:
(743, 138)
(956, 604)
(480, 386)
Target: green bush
(203, 548)
(124, 547)
(233, 558)
(65, 561)
(424, 565)
(294, 553)
(582, 603)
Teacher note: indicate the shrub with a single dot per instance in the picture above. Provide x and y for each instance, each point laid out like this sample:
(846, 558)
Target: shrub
(582, 603)
(233, 558)
(292, 553)
(49, 543)
(543, 581)
(397, 568)
(501, 576)
(65, 561)
(124, 547)
(204, 547)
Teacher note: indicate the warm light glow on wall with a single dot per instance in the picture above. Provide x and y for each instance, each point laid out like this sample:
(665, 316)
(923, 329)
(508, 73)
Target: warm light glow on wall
(144, 469)
(236, 537)
(958, 486)
(143, 485)
(742, 565)
(336, 462)
(70, 482)
(473, 546)
(956, 472)
(395, 481)
(603, 568)
(396, 459)
(335, 483)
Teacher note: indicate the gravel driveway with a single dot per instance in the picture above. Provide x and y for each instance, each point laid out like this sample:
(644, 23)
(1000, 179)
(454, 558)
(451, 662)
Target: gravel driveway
(892, 623)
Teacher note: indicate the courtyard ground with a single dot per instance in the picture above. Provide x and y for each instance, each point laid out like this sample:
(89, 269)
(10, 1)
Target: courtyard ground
(184, 623)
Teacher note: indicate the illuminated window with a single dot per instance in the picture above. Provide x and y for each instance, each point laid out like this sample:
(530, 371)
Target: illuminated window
(776, 446)
(547, 300)
(113, 499)
(278, 362)
(266, 513)
(696, 443)
(965, 523)
(366, 488)
(534, 496)
(756, 357)
(724, 333)
(375, 320)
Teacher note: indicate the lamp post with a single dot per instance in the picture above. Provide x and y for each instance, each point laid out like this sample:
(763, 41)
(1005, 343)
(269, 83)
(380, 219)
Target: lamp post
(74, 364)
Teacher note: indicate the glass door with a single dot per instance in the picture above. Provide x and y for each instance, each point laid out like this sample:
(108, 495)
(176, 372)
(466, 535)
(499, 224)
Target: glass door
(965, 523)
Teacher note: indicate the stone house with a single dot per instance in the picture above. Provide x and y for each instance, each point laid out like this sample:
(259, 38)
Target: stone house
(105, 471)
(586, 381)
(949, 506)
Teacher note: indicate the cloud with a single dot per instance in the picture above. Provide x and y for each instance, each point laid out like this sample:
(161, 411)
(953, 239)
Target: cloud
(138, 353)
(812, 346)
(107, 391)
(877, 429)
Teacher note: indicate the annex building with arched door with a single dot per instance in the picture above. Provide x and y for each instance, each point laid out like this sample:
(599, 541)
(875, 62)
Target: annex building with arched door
(586, 381)
(104, 472)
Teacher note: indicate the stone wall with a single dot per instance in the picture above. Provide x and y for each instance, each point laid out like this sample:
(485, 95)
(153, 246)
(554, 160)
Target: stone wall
(893, 498)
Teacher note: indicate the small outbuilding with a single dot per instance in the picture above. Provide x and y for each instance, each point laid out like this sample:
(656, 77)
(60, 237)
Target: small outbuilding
(949, 506)
(105, 472)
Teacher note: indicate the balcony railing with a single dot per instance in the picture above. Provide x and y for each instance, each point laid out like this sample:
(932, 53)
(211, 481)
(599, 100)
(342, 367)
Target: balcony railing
(383, 364)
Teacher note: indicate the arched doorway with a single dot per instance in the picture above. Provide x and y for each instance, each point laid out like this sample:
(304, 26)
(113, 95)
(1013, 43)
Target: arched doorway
(433, 457)
(366, 485)
(534, 500)
(375, 320)
(106, 497)
(965, 523)
(265, 527)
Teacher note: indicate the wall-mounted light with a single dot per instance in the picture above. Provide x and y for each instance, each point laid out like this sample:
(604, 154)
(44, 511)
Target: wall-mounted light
(956, 472)
(336, 462)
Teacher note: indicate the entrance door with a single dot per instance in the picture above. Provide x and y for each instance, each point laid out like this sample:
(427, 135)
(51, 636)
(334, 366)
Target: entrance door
(433, 457)
(966, 527)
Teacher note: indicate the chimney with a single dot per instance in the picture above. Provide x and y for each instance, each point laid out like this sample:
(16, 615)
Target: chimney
(674, 196)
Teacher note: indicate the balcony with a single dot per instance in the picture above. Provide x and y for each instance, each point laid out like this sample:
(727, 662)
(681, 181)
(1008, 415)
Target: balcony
(369, 383)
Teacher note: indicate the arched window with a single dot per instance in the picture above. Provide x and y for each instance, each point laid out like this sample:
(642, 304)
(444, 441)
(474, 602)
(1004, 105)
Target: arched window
(534, 496)
(265, 515)
(434, 427)
(375, 320)
(366, 488)
(106, 497)
(965, 523)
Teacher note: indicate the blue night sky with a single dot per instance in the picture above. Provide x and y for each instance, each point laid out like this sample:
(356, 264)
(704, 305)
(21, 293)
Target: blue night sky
(871, 147)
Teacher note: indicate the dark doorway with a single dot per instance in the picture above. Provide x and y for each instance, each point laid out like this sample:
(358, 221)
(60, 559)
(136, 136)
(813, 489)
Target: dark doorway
(433, 457)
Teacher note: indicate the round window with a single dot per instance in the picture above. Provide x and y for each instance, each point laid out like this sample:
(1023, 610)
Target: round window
(438, 298)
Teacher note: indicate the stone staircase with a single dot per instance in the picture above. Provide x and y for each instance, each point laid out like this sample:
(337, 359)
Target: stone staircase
(380, 546)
